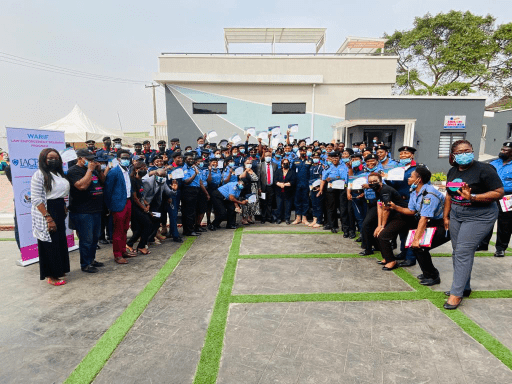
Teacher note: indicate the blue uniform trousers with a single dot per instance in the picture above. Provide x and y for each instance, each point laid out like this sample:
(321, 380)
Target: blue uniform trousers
(301, 200)
(317, 203)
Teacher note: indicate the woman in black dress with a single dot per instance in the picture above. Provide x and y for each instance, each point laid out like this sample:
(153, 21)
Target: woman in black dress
(49, 187)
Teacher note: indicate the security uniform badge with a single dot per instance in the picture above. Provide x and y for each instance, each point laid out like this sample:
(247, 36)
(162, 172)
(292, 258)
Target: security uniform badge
(426, 201)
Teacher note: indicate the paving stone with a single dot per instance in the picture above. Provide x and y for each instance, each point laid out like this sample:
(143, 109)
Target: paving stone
(270, 276)
(489, 273)
(403, 342)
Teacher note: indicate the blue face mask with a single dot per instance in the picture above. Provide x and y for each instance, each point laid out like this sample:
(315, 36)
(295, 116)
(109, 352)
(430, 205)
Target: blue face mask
(240, 186)
(464, 158)
(86, 163)
(329, 162)
(295, 149)
(405, 161)
(356, 164)
(308, 153)
(316, 161)
(125, 162)
(324, 150)
(200, 165)
(278, 156)
(159, 179)
(231, 164)
(242, 150)
(345, 160)
(371, 169)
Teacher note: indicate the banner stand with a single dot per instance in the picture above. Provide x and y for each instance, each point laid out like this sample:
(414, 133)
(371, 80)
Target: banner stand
(21, 263)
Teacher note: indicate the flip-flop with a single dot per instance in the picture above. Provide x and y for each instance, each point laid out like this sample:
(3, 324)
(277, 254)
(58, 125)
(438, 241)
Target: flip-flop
(57, 283)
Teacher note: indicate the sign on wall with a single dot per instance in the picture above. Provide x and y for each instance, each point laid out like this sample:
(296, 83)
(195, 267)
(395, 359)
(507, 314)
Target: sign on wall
(455, 122)
(24, 148)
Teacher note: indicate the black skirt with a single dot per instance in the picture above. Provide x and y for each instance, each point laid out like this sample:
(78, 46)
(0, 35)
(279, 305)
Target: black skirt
(54, 255)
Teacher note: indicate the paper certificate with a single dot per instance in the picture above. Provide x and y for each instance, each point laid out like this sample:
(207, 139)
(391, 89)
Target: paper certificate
(252, 199)
(239, 171)
(358, 183)
(396, 174)
(221, 164)
(235, 139)
(316, 183)
(293, 127)
(156, 214)
(263, 195)
(250, 131)
(262, 135)
(68, 155)
(178, 174)
(308, 140)
(212, 134)
(506, 203)
(426, 239)
(338, 184)
(275, 130)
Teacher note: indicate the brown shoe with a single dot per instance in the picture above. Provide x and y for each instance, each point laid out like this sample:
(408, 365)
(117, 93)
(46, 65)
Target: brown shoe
(129, 254)
(120, 260)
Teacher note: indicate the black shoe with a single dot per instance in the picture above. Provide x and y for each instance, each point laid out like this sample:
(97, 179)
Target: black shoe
(231, 227)
(351, 235)
(271, 221)
(278, 221)
(177, 239)
(212, 228)
(407, 263)
(381, 262)
(499, 254)
(482, 248)
(430, 282)
(327, 227)
(103, 241)
(90, 269)
(192, 234)
(359, 240)
(466, 293)
(97, 264)
(401, 256)
(421, 277)
(288, 222)
(345, 235)
(384, 268)
(452, 306)
(200, 229)
(365, 253)
(262, 221)
(98, 247)
(334, 230)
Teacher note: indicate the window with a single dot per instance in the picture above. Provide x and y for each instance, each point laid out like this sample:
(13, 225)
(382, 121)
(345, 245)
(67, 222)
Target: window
(210, 108)
(288, 108)
(509, 130)
(446, 140)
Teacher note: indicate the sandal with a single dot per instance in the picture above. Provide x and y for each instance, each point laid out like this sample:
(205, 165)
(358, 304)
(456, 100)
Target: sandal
(57, 283)
(144, 251)
(130, 248)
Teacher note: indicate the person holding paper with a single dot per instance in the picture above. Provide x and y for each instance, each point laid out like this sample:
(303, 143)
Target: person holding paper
(426, 204)
(176, 165)
(148, 152)
(356, 195)
(228, 176)
(317, 199)
(190, 193)
(251, 182)
(470, 212)
(284, 183)
(382, 152)
(225, 199)
(266, 174)
(214, 179)
(200, 143)
(301, 167)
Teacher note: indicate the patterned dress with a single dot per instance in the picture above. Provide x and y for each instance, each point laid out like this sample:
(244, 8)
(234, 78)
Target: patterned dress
(252, 209)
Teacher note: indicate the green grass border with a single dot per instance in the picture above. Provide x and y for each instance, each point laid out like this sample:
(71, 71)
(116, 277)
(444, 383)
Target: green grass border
(97, 357)
(266, 232)
(309, 256)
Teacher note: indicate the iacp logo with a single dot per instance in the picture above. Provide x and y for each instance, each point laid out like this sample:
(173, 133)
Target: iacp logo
(26, 163)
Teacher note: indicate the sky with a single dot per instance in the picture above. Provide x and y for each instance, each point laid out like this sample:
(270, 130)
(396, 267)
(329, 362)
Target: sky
(124, 39)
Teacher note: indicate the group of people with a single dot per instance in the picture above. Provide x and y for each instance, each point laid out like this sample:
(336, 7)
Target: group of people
(112, 189)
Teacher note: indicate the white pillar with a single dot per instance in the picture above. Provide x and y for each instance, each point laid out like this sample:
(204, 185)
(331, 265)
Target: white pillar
(313, 114)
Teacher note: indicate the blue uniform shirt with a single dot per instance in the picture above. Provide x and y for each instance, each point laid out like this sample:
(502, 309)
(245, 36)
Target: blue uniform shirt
(216, 177)
(204, 176)
(315, 172)
(505, 174)
(339, 172)
(429, 202)
(169, 177)
(226, 172)
(391, 164)
(402, 187)
(277, 161)
(230, 189)
(189, 172)
(301, 168)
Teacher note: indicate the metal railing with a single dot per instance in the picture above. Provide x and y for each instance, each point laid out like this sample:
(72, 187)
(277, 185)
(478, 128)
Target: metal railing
(279, 54)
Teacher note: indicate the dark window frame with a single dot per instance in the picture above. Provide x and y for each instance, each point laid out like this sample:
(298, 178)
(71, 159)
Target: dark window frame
(198, 111)
(288, 113)
(509, 125)
(451, 142)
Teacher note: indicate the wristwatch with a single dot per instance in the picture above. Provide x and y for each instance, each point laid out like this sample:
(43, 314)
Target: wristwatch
(472, 197)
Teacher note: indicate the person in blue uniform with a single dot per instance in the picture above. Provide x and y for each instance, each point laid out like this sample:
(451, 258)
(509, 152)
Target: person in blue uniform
(301, 167)
(204, 196)
(200, 144)
(161, 151)
(382, 152)
(346, 206)
(503, 166)
(356, 196)
(334, 172)
(106, 150)
(214, 179)
(228, 175)
(177, 163)
(190, 193)
(315, 176)
(224, 200)
(91, 146)
(284, 183)
(148, 152)
(426, 204)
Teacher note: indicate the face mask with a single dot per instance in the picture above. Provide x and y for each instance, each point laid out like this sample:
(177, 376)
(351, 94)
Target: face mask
(329, 162)
(268, 159)
(161, 149)
(91, 149)
(118, 146)
(160, 179)
(375, 187)
(242, 150)
(374, 141)
(356, 150)
(53, 163)
(405, 161)
(356, 164)
(323, 150)
(125, 162)
(286, 166)
(316, 161)
(287, 152)
(231, 164)
(309, 153)
(464, 158)
(345, 160)
(295, 149)
(503, 156)
(200, 145)
(138, 151)
(414, 186)
(235, 153)
(142, 173)
(278, 156)
(218, 156)
(200, 165)
(86, 163)
(240, 186)
(248, 166)
(371, 169)
(103, 167)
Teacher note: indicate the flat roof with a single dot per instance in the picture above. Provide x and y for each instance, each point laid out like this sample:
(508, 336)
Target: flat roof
(358, 45)
(275, 35)
(421, 97)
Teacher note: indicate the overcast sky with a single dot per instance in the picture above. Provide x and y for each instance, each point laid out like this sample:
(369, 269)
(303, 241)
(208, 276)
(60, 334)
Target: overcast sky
(124, 39)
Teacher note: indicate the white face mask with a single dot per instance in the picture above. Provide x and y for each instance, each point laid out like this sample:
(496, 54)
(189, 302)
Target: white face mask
(268, 159)
(217, 156)
(118, 146)
(248, 166)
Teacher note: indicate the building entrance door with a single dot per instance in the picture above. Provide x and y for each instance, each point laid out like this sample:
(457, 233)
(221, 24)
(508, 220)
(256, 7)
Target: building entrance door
(385, 134)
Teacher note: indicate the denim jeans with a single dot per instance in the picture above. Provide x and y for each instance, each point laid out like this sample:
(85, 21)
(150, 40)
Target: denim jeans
(88, 227)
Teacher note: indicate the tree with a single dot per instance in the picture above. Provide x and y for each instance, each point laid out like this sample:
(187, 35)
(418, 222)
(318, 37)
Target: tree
(453, 54)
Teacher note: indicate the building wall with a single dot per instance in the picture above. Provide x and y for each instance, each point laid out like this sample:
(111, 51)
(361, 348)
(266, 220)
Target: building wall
(497, 131)
(429, 114)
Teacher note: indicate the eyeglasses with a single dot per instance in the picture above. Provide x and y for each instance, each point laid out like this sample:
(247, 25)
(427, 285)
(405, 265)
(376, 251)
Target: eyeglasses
(373, 183)
(461, 152)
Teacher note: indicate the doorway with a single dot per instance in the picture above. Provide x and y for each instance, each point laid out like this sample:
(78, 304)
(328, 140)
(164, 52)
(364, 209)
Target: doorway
(385, 134)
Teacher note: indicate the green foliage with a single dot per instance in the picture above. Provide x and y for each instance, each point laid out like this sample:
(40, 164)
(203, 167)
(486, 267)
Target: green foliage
(440, 176)
(453, 54)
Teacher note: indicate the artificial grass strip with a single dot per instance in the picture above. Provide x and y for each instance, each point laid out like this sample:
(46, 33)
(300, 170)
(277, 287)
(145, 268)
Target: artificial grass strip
(307, 256)
(208, 366)
(490, 343)
(494, 245)
(94, 361)
(477, 254)
(257, 232)
(499, 294)
(308, 297)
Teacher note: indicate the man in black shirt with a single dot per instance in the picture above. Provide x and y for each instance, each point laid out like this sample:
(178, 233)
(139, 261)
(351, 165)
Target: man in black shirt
(86, 205)
(390, 221)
